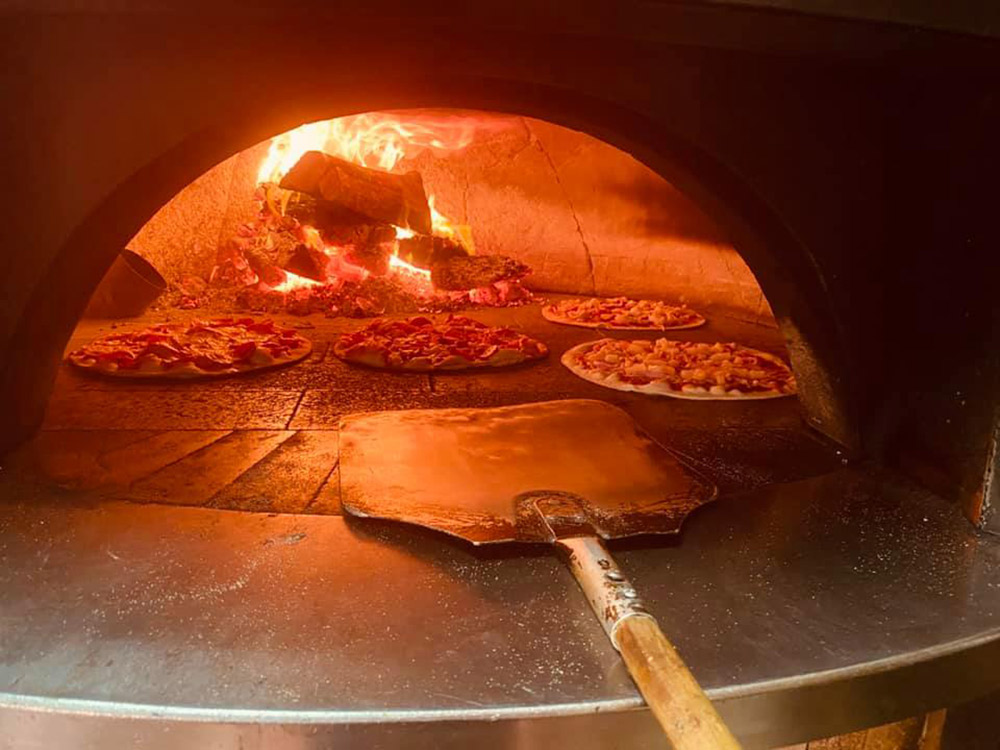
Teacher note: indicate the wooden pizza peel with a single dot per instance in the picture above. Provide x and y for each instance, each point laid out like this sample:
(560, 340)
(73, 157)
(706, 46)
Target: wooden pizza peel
(569, 473)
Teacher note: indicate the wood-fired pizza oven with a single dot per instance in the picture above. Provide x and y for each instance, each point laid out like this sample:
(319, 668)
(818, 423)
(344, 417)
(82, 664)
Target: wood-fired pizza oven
(819, 187)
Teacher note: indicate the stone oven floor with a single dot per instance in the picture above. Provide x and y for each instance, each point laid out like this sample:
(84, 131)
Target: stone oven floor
(268, 441)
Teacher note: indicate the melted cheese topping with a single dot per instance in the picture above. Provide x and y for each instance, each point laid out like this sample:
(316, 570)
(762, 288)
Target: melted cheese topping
(419, 343)
(625, 312)
(689, 367)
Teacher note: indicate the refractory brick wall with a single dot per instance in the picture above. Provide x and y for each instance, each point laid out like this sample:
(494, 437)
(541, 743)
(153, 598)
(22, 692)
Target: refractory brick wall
(587, 217)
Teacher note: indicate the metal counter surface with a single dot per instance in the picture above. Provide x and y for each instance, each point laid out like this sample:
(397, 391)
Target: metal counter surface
(805, 609)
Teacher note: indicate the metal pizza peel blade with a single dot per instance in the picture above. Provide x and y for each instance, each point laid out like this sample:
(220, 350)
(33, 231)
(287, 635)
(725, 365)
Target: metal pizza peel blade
(568, 473)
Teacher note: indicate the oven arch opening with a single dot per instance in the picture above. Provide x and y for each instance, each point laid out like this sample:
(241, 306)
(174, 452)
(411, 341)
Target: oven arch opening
(789, 280)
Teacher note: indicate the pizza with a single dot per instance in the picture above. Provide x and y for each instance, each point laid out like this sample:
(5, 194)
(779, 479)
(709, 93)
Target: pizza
(418, 343)
(622, 314)
(195, 349)
(682, 369)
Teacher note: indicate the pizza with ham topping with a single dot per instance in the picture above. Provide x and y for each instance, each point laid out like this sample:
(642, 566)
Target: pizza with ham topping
(682, 369)
(622, 314)
(418, 343)
(195, 349)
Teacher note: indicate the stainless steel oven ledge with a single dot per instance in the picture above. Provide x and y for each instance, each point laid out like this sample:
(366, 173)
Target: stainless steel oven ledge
(806, 609)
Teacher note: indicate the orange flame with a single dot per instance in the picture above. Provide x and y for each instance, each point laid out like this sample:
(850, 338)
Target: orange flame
(374, 139)
(377, 140)
(338, 266)
(442, 226)
(311, 237)
(293, 281)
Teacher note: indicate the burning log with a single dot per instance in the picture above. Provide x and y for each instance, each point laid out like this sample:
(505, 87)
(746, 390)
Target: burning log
(374, 258)
(461, 273)
(368, 245)
(426, 251)
(266, 271)
(337, 225)
(382, 197)
(280, 245)
(307, 261)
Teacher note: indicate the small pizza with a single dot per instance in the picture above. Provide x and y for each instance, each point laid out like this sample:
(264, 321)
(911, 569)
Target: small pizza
(622, 314)
(196, 349)
(459, 343)
(682, 369)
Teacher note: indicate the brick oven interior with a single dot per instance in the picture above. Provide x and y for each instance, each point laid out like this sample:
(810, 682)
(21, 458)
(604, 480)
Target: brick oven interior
(587, 218)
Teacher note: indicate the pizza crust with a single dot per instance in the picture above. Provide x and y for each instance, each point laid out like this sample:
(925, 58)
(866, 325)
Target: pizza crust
(152, 369)
(503, 358)
(552, 313)
(189, 371)
(571, 360)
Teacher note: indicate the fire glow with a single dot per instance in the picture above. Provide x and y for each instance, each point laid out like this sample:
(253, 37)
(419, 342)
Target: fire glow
(377, 139)
(374, 140)
(344, 226)
(294, 282)
(418, 279)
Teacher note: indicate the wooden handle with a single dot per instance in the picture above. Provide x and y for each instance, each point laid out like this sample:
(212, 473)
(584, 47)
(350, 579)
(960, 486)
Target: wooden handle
(687, 716)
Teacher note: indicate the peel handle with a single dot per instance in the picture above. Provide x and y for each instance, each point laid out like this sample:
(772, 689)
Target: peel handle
(687, 716)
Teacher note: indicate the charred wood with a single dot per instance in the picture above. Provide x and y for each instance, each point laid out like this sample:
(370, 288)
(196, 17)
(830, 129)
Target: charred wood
(337, 225)
(307, 261)
(381, 197)
(472, 272)
(374, 257)
(266, 271)
(281, 246)
(426, 251)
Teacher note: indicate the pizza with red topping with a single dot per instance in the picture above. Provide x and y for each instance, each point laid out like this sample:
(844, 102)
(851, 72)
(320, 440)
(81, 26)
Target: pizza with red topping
(622, 314)
(196, 349)
(682, 369)
(418, 343)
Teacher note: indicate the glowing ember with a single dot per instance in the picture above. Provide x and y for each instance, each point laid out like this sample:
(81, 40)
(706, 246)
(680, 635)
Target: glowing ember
(311, 236)
(417, 279)
(293, 281)
(341, 269)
